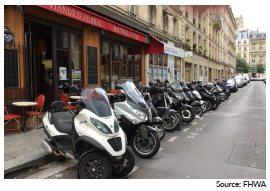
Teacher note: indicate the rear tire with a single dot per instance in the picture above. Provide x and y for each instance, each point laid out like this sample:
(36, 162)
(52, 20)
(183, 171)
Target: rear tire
(208, 105)
(204, 108)
(161, 129)
(95, 165)
(198, 110)
(188, 115)
(175, 124)
(117, 168)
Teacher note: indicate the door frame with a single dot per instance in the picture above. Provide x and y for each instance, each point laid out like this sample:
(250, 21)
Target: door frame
(56, 26)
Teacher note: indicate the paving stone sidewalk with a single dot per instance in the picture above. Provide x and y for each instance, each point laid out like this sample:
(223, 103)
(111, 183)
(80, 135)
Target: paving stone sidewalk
(24, 150)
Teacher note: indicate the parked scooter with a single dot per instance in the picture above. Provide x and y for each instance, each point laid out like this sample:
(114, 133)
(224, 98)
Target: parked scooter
(161, 128)
(162, 102)
(197, 96)
(191, 100)
(136, 120)
(207, 95)
(186, 111)
(224, 87)
(92, 136)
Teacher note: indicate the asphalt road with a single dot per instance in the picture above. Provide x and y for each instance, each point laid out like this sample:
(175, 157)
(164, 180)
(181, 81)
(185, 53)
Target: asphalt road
(227, 143)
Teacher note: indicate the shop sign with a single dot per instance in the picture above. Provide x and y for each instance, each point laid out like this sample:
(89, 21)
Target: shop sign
(94, 19)
(171, 50)
(8, 36)
(188, 54)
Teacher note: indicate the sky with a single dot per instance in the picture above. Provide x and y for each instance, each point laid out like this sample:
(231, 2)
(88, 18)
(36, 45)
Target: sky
(252, 15)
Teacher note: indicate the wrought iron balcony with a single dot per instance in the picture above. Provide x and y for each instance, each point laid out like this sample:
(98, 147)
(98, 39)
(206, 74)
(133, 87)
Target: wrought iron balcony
(132, 15)
(164, 32)
(217, 21)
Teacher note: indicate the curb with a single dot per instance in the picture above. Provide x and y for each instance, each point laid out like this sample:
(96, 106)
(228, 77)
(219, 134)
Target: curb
(36, 158)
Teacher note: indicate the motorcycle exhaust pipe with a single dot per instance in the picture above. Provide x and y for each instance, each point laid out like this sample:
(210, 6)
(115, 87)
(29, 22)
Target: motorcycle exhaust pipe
(47, 146)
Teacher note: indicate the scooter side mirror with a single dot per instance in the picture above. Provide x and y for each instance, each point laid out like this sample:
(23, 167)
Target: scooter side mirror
(119, 87)
(74, 89)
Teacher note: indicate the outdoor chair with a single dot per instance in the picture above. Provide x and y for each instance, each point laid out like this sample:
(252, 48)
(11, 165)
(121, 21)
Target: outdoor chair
(36, 111)
(9, 118)
(65, 99)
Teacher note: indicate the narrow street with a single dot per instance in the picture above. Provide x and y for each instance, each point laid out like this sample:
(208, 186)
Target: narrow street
(226, 143)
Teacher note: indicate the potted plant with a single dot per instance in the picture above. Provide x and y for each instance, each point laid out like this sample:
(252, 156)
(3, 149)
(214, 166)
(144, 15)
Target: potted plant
(204, 52)
(200, 49)
(194, 47)
(187, 44)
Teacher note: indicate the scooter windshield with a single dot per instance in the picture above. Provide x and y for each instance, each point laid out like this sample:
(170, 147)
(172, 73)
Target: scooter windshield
(176, 85)
(132, 92)
(96, 100)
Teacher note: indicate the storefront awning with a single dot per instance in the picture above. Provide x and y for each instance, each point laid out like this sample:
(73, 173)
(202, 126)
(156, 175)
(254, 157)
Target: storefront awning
(160, 47)
(96, 20)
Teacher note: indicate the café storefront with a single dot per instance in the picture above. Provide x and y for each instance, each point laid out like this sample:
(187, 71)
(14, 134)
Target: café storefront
(64, 45)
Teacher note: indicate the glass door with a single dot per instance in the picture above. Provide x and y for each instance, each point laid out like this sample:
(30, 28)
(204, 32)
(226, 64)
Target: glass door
(62, 62)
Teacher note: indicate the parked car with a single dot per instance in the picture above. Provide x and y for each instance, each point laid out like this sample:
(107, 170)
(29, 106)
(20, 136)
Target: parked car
(232, 85)
(239, 82)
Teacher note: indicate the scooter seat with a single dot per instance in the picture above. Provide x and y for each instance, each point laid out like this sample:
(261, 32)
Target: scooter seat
(63, 122)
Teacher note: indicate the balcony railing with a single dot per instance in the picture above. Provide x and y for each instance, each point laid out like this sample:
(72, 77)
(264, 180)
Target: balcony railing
(132, 15)
(217, 21)
(151, 25)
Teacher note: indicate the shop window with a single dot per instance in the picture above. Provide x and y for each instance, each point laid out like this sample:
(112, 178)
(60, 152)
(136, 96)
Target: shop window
(104, 68)
(114, 66)
(76, 58)
(131, 64)
(11, 68)
(138, 67)
(123, 62)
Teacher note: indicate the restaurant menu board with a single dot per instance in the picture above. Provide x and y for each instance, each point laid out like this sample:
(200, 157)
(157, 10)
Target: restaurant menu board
(11, 68)
(92, 67)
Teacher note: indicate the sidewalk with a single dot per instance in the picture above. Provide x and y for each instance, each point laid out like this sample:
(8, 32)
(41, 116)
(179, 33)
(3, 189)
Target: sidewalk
(24, 150)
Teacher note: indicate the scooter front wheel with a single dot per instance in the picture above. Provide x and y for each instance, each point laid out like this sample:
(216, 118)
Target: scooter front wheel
(95, 166)
(147, 149)
(125, 166)
(198, 110)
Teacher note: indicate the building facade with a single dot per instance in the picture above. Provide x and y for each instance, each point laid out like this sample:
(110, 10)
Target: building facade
(250, 44)
(207, 31)
(48, 48)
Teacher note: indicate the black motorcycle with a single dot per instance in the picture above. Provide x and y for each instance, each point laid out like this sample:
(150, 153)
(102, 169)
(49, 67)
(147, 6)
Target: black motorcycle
(162, 103)
(191, 100)
(180, 102)
(224, 87)
(197, 96)
(207, 95)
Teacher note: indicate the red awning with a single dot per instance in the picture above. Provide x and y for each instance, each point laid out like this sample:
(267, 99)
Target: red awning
(95, 19)
(156, 46)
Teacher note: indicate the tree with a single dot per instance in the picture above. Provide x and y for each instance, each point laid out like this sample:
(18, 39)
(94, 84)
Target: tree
(241, 64)
(260, 69)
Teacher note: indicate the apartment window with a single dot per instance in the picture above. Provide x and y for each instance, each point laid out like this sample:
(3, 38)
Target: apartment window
(245, 42)
(186, 14)
(245, 48)
(165, 20)
(174, 27)
(261, 58)
(131, 8)
(239, 42)
(187, 33)
(261, 46)
(253, 47)
(253, 59)
(245, 55)
(239, 48)
(194, 21)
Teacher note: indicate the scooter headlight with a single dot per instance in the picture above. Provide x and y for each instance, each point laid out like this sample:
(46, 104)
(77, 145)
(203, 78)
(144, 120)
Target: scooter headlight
(171, 100)
(141, 115)
(102, 127)
(132, 119)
